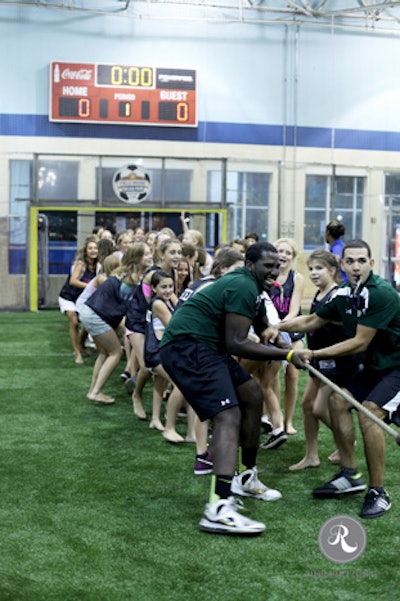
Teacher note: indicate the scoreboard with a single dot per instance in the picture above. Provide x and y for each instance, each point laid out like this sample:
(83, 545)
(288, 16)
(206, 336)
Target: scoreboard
(111, 93)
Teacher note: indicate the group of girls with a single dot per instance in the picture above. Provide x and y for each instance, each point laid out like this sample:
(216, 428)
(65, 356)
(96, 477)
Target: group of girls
(114, 296)
(131, 294)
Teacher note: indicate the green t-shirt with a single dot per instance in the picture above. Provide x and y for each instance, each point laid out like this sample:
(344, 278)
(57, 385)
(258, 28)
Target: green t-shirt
(376, 306)
(202, 317)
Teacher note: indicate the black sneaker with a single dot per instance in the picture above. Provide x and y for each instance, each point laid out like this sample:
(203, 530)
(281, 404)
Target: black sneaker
(266, 424)
(376, 503)
(274, 441)
(343, 483)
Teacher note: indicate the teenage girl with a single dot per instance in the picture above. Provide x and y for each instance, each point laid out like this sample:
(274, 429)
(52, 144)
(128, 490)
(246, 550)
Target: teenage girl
(135, 323)
(123, 241)
(287, 301)
(183, 275)
(158, 315)
(325, 275)
(83, 270)
(102, 315)
(169, 256)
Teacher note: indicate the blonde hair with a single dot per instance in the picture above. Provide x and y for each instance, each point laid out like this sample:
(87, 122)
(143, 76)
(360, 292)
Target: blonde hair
(111, 262)
(130, 264)
(197, 236)
(290, 242)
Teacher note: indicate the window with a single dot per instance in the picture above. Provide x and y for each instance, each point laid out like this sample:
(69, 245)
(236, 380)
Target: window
(327, 197)
(247, 196)
(19, 199)
(168, 186)
(392, 210)
(57, 180)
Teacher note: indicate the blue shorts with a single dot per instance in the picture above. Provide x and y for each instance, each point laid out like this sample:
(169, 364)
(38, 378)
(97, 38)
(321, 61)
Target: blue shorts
(206, 378)
(383, 389)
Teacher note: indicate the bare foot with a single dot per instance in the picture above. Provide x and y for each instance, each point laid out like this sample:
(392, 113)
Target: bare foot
(334, 457)
(138, 408)
(304, 464)
(78, 359)
(156, 425)
(290, 430)
(100, 398)
(190, 439)
(172, 436)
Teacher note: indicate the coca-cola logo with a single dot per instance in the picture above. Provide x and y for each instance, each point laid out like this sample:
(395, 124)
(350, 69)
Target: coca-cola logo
(82, 74)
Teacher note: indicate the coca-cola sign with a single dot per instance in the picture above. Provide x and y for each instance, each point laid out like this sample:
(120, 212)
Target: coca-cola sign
(81, 74)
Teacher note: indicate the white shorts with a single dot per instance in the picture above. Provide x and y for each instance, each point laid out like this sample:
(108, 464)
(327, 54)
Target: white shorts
(66, 305)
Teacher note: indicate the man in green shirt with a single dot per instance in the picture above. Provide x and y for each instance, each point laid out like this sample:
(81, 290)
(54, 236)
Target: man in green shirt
(197, 352)
(369, 309)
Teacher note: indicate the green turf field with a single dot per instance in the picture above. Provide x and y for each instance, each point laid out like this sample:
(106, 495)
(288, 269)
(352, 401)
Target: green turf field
(96, 506)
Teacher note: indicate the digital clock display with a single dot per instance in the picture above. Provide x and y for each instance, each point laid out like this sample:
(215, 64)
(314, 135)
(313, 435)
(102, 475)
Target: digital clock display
(135, 95)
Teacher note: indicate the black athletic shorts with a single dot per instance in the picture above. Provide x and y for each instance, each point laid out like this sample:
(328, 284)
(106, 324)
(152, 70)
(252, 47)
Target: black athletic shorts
(207, 379)
(383, 389)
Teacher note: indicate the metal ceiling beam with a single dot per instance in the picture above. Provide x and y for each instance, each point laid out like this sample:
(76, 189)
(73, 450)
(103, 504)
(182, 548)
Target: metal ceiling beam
(361, 15)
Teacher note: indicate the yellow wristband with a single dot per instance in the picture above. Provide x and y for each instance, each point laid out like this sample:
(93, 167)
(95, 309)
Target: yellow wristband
(289, 356)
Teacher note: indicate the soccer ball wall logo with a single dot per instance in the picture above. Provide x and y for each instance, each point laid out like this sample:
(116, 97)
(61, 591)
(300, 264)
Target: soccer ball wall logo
(131, 184)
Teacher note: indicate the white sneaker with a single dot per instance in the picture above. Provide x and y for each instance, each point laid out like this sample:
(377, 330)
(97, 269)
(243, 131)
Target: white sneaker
(253, 487)
(222, 517)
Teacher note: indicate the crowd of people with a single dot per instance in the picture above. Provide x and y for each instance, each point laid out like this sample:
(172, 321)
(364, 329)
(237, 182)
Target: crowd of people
(218, 332)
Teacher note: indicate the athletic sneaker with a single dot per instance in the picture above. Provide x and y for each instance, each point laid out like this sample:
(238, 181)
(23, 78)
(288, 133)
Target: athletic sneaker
(343, 483)
(222, 517)
(203, 465)
(125, 375)
(275, 440)
(266, 424)
(248, 484)
(376, 504)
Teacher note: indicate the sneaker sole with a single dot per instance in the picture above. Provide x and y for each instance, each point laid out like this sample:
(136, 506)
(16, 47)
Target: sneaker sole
(217, 528)
(275, 444)
(330, 494)
(243, 493)
(203, 472)
(375, 515)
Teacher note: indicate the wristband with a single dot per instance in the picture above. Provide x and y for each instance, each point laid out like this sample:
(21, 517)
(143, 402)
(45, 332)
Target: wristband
(289, 356)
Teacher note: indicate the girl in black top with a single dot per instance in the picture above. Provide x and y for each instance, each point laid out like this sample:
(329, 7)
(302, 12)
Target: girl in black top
(84, 269)
(158, 315)
(286, 297)
(101, 315)
(324, 273)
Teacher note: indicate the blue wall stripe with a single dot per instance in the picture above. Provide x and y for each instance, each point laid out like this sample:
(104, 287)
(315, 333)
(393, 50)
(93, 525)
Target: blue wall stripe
(226, 133)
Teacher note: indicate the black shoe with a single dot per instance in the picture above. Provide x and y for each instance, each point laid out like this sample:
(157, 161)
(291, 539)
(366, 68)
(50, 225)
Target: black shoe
(125, 375)
(266, 424)
(376, 504)
(343, 483)
(274, 441)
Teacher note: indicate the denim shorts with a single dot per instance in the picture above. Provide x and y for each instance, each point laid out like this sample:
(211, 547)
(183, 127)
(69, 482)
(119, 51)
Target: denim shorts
(93, 322)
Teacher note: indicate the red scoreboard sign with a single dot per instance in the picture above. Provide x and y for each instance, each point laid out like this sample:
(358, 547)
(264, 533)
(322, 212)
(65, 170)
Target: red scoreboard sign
(103, 93)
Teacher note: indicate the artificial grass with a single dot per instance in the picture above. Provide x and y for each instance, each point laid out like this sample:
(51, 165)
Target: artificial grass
(96, 506)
